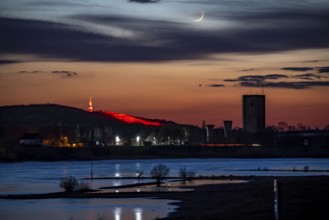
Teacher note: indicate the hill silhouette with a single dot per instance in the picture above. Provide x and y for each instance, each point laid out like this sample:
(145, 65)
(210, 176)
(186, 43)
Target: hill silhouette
(53, 121)
(52, 114)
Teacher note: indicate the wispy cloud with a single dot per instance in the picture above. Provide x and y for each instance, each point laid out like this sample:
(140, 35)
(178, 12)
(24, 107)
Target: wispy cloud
(257, 78)
(144, 1)
(290, 85)
(310, 61)
(309, 76)
(247, 70)
(8, 61)
(62, 73)
(29, 71)
(130, 37)
(271, 81)
(65, 73)
(323, 69)
(319, 69)
(216, 85)
(298, 69)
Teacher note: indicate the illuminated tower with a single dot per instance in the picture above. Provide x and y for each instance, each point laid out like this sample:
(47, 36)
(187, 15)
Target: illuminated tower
(90, 105)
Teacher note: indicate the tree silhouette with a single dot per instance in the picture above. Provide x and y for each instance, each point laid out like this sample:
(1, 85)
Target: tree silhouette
(159, 172)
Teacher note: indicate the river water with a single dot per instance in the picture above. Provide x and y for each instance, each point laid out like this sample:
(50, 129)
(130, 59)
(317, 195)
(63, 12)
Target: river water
(44, 177)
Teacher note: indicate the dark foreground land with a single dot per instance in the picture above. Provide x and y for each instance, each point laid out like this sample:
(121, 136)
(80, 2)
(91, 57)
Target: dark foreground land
(302, 198)
(43, 153)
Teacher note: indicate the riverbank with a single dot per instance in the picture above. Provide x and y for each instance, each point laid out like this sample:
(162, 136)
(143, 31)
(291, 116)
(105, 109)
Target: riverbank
(42, 153)
(302, 198)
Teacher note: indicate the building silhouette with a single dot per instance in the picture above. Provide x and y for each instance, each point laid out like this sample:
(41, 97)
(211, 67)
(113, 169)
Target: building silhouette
(227, 129)
(253, 113)
(210, 133)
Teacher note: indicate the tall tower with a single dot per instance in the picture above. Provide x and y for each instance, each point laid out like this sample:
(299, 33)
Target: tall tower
(253, 113)
(90, 105)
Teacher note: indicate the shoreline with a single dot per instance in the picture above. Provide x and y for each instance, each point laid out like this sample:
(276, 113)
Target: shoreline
(39, 153)
(302, 198)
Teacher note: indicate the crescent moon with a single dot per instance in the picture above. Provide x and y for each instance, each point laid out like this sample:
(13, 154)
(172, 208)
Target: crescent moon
(200, 19)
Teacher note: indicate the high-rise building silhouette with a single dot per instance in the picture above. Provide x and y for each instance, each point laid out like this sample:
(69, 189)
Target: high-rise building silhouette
(253, 113)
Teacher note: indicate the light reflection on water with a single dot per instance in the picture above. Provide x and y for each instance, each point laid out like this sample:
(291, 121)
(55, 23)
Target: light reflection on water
(85, 209)
(44, 177)
(117, 213)
(138, 214)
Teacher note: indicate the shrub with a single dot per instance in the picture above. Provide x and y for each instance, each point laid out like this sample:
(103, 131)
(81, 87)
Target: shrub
(159, 172)
(69, 184)
(306, 168)
(186, 174)
(84, 186)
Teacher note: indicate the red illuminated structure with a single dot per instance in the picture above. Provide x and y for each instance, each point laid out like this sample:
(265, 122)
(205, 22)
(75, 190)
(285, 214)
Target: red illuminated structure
(90, 105)
(124, 117)
(131, 119)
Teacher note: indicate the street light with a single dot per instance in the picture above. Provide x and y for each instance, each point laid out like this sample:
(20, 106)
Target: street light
(138, 140)
(117, 140)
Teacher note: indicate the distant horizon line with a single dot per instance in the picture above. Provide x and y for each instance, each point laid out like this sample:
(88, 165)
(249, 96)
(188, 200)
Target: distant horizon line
(200, 126)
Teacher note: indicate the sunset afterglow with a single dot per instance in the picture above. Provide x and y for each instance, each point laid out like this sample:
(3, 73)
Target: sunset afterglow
(150, 59)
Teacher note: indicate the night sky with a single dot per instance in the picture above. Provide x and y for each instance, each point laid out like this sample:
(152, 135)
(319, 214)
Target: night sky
(159, 59)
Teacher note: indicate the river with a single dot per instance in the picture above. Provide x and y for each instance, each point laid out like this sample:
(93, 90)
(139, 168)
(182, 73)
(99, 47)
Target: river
(44, 177)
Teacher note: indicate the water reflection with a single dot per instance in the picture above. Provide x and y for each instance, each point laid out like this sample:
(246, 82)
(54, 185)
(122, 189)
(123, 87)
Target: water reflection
(43, 177)
(117, 213)
(137, 211)
(138, 214)
(117, 183)
(117, 170)
(85, 209)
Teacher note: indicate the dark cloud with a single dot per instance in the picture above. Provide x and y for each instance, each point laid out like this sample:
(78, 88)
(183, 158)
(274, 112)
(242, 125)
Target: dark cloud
(298, 69)
(33, 71)
(62, 73)
(287, 85)
(263, 81)
(323, 69)
(275, 76)
(216, 85)
(310, 61)
(158, 40)
(8, 61)
(309, 76)
(144, 1)
(65, 73)
(257, 79)
(247, 70)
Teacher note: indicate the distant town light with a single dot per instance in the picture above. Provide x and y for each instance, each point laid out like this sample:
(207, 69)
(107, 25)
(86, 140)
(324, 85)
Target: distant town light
(117, 140)
(138, 139)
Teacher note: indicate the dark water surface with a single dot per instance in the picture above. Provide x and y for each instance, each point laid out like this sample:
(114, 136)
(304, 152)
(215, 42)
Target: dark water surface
(44, 177)
(85, 209)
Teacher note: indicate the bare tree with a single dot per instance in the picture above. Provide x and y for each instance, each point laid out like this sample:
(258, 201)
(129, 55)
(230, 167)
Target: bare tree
(186, 174)
(159, 172)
